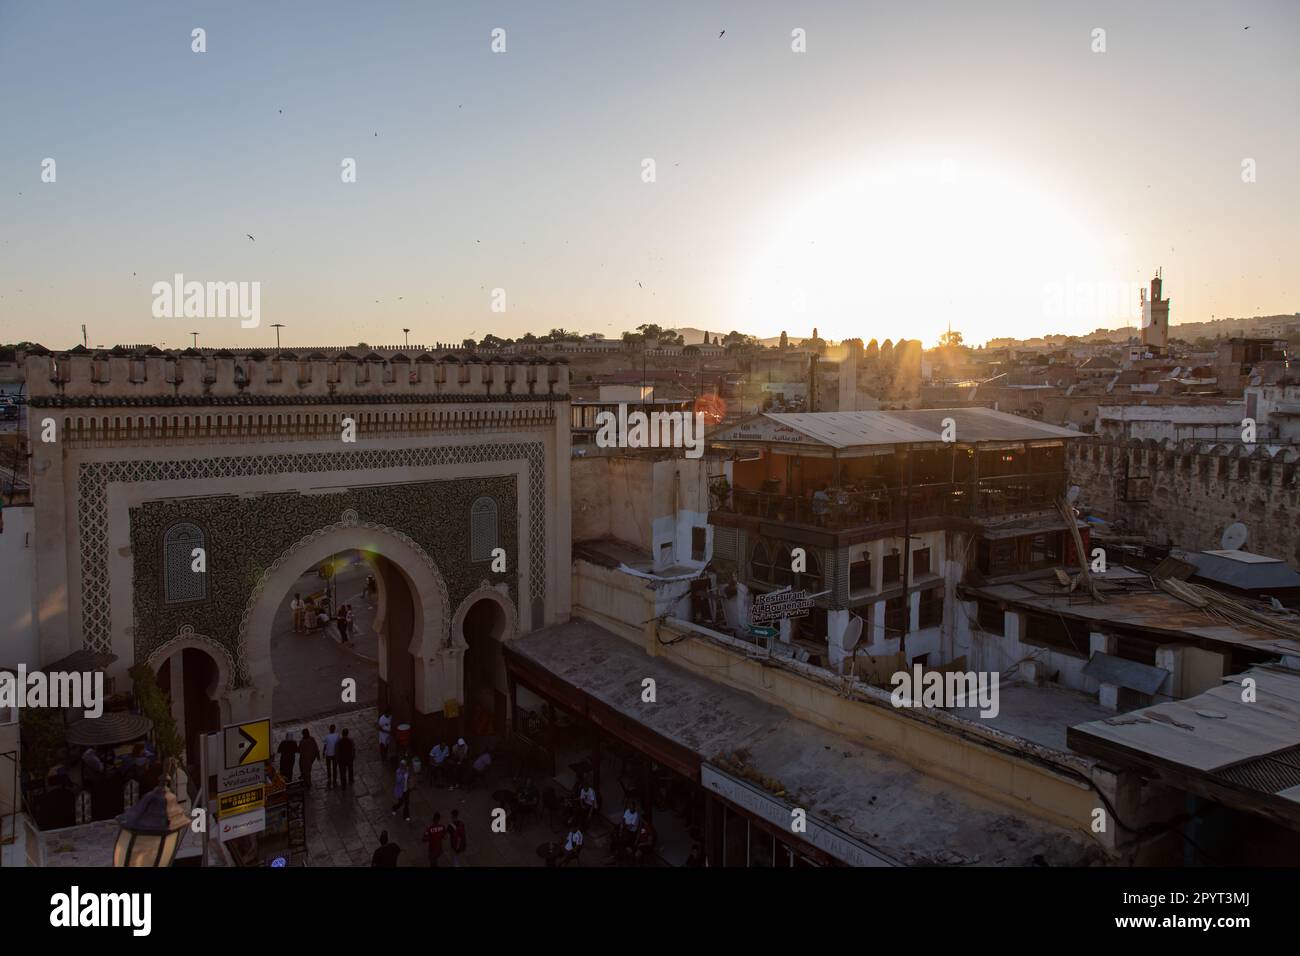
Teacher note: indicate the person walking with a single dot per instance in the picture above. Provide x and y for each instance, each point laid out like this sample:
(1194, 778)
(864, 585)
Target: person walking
(298, 605)
(308, 754)
(330, 749)
(434, 836)
(386, 854)
(346, 754)
(348, 624)
(385, 733)
(456, 836)
(402, 791)
(341, 622)
(288, 752)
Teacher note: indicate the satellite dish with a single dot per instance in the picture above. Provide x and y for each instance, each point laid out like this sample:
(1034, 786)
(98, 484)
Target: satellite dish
(852, 634)
(1072, 495)
(1234, 536)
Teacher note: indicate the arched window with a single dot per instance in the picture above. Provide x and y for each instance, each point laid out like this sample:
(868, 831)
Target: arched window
(760, 565)
(181, 583)
(781, 571)
(482, 529)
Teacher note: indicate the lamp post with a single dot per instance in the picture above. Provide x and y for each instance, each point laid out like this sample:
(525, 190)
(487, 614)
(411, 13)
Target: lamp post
(196, 339)
(277, 326)
(407, 333)
(151, 830)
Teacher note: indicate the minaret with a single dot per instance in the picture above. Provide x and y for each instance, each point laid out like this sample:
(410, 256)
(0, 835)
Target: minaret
(1155, 317)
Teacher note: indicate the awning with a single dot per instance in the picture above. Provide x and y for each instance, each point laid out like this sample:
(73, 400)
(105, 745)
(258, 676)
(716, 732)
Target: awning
(864, 803)
(1240, 753)
(109, 729)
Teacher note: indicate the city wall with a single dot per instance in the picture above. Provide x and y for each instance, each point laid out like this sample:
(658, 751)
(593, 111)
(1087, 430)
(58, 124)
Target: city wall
(1185, 493)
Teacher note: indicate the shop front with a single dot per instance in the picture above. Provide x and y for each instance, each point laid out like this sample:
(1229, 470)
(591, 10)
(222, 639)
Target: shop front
(578, 700)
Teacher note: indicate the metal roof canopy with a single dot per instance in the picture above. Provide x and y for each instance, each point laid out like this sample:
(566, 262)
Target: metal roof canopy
(1243, 570)
(878, 432)
(1214, 745)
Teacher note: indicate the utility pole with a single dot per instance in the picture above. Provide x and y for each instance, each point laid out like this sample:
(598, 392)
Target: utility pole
(907, 557)
(85, 342)
(277, 326)
(196, 339)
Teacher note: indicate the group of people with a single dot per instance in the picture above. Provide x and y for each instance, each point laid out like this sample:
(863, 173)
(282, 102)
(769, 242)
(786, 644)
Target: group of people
(310, 615)
(340, 754)
(634, 838)
(436, 835)
(451, 766)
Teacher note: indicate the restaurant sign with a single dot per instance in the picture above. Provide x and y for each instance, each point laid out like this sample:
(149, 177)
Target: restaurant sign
(831, 841)
(780, 606)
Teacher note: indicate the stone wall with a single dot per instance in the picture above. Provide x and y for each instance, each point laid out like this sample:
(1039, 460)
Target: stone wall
(1185, 493)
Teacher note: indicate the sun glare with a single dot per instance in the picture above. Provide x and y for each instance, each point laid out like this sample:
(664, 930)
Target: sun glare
(903, 251)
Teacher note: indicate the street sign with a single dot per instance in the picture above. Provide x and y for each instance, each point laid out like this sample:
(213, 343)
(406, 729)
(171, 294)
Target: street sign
(758, 631)
(243, 824)
(247, 744)
(241, 801)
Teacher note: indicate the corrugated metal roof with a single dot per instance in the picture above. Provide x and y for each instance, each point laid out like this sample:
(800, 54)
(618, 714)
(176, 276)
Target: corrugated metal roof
(1242, 570)
(882, 427)
(1214, 743)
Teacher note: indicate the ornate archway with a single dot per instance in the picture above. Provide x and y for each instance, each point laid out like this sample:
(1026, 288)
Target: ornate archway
(171, 654)
(428, 643)
(483, 622)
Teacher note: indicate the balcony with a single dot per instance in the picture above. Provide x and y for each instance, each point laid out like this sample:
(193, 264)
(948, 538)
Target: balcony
(845, 508)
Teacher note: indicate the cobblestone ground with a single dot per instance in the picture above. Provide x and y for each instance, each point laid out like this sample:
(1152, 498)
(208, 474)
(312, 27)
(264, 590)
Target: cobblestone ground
(343, 826)
(309, 668)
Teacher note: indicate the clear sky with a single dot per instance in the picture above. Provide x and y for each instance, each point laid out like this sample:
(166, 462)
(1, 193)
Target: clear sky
(921, 163)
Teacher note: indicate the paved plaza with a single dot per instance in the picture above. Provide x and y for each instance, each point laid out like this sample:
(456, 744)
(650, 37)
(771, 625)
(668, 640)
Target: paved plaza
(343, 826)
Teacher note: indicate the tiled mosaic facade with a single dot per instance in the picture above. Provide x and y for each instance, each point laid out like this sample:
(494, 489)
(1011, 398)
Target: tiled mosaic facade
(425, 511)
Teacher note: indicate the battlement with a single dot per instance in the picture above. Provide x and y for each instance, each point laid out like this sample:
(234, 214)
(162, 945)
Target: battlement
(153, 377)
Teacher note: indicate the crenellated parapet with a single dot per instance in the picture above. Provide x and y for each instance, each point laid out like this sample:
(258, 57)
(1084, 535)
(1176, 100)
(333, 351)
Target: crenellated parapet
(82, 378)
(1185, 493)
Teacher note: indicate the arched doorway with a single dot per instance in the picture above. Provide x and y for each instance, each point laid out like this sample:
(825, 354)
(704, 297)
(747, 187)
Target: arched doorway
(484, 625)
(194, 672)
(411, 621)
(313, 653)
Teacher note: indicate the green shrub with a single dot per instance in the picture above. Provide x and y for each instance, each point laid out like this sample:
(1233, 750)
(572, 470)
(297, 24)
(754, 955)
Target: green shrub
(155, 705)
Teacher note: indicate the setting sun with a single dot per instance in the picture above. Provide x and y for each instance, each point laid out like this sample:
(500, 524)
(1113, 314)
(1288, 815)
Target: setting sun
(905, 249)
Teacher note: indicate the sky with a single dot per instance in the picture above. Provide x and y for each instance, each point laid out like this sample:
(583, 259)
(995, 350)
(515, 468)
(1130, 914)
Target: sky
(918, 165)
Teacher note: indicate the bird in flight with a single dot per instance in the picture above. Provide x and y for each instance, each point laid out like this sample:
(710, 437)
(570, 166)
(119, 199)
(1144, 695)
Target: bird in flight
(250, 237)
(720, 35)
(640, 286)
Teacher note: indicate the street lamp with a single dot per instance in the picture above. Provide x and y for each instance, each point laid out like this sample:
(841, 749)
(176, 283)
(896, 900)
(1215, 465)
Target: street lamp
(407, 333)
(277, 326)
(151, 830)
(196, 339)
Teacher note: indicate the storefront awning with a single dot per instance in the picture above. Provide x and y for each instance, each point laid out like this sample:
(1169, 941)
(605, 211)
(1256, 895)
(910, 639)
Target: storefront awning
(860, 803)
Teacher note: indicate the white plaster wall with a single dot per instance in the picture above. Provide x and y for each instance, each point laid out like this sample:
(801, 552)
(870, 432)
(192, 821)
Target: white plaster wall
(19, 640)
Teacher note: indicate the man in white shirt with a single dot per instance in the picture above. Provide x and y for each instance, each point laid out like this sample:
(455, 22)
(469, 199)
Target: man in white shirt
(573, 843)
(330, 749)
(298, 605)
(587, 802)
(385, 734)
(437, 762)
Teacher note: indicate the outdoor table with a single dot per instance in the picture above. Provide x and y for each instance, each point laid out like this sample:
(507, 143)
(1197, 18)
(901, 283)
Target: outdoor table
(550, 852)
